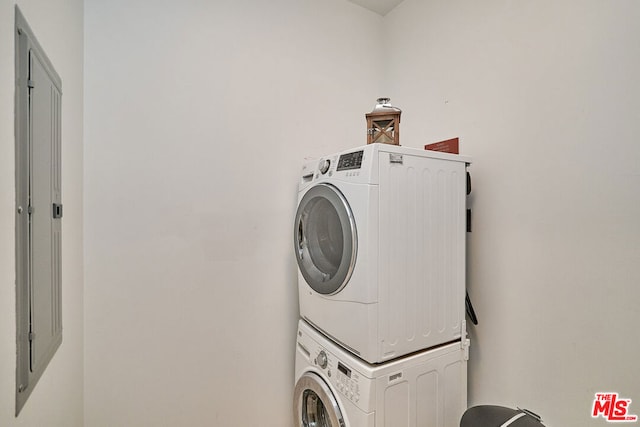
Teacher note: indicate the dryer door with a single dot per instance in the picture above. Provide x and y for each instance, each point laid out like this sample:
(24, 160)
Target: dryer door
(325, 239)
(314, 405)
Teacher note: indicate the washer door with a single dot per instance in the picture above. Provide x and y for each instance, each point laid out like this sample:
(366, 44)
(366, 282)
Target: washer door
(314, 405)
(325, 239)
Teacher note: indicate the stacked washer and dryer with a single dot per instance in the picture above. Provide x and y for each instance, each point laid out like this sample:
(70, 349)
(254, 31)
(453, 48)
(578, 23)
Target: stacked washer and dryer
(379, 238)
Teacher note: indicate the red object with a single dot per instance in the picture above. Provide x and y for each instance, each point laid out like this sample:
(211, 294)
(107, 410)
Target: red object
(448, 146)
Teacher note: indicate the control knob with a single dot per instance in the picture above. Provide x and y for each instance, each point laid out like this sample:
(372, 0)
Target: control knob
(324, 166)
(321, 360)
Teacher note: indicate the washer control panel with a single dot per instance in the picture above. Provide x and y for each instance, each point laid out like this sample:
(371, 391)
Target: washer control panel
(346, 375)
(347, 383)
(346, 380)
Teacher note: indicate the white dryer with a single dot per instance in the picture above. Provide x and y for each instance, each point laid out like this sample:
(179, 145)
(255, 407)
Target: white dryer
(379, 238)
(335, 388)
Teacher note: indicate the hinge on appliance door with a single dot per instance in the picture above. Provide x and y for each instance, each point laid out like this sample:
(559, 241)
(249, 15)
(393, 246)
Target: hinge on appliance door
(463, 330)
(32, 336)
(465, 348)
(30, 84)
(464, 341)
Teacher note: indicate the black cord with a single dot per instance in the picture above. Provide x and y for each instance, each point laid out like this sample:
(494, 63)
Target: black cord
(470, 311)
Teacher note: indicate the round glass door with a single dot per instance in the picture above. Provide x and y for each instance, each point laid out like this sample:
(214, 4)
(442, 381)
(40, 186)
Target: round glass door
(314, 404)
(325, 239)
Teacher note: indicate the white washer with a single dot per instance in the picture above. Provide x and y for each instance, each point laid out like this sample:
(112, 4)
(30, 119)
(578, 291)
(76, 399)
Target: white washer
(335, 388)
(379, 238)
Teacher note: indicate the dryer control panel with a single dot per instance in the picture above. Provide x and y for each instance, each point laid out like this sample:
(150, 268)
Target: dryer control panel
(350, 161)
(354, 166)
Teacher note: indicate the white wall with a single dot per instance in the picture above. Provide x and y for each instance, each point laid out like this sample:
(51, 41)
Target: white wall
(198, 117)
(57, 399)
(545, 97)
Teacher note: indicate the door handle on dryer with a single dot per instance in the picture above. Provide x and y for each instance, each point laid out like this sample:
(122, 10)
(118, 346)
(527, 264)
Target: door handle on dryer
(300, 240)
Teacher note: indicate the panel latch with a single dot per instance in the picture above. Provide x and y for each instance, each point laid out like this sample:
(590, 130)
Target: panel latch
(57, 210)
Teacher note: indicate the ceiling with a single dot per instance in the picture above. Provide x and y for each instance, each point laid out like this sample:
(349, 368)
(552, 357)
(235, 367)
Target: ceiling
(381, 7)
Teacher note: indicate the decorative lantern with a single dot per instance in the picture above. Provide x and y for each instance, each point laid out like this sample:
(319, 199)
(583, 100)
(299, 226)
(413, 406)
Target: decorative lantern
(383, 123)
